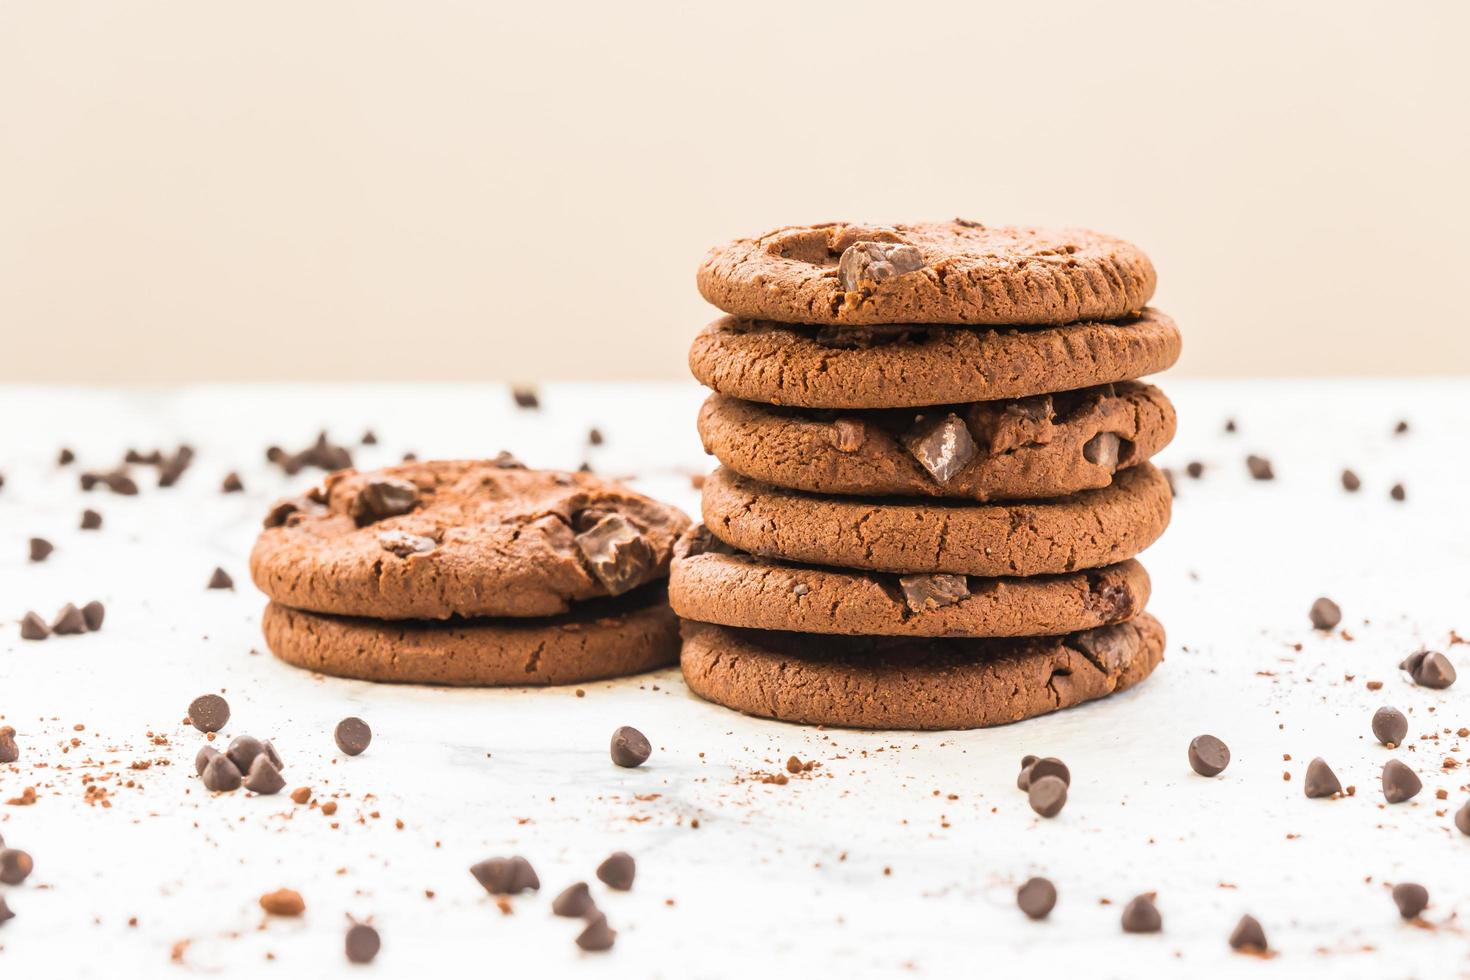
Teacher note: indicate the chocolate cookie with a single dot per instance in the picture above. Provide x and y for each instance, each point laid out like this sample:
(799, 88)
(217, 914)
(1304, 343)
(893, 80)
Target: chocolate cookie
(902, 682)
(438, 539)
(598, 639)
(715, 586)
(1086, 530)
(911, 367)
(954, 272)
(1042, 446)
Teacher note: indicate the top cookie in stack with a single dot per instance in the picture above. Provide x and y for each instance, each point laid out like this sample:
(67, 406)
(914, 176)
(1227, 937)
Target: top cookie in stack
(933, 434)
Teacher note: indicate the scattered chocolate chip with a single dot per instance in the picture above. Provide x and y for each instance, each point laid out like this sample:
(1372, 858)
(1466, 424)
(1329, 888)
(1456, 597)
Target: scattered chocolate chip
(69, 621)
(268, 748)
(1325, 614)
(594, 437)
(243, 750)
(353, 735)
(1260, 468)
(1037, 897)
(942, 445)
(369, 438)
(1046, 794)
(1050, 766)
(617, 871)
(1390, 726)
(231, 483)
(91, 520)
(1104, 450)
(866, 264)
(630, 747)
(202, 759)
(221, 775)
(1400, 783)
(283, 902)
(574, 902)
(383, 497)
(1397, 492)
(403, 544)
(40, 548)
(15, 866)
(924, 592)
(526, 397)
(173, 467)
(264, 778)
(9, 751)
(5, 914)
(209, 712)
(1229, 425)
(1321, 781)
(1350, 481)
(1462, 819)
(597, 937)
(1430, 668)
(506, 876)
(1410, 898)
(617, 553)
(33, 627)
(93, 613)
(1248, 936)
(1208, 756)
(363, 941)
(221, 580)
(1195, 470)
(281, 511)
(66, 457)
(1141, 915)
(1401, 427)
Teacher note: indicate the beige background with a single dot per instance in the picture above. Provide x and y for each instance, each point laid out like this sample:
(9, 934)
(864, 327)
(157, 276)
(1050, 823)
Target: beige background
(195, 190)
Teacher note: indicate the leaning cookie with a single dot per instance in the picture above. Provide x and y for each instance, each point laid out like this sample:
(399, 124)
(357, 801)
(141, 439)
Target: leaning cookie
(1043, 446)
(711, 584)
(432, 540)
(907, 683)
(951, 272)
(599, 639)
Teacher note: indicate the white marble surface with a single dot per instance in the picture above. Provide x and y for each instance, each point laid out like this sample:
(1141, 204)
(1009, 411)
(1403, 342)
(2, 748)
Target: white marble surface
(901, 856)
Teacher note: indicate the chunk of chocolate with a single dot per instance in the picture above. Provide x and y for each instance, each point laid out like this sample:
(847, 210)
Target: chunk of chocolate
(69, 621)
(264, 778)
(1037, 897)
(506, 876)
(1400, 783)
(40, 549)
(1325, 614)
(574, 902)
(848, 435)
(403, 544)
(353, 735)
(382, 497)
(220, 579)
(617, 553)
(1004, 426)
(1260, 468)
(1248, 936)
(1430, 668)
(91, 520)
(362, 943)
(1141, 915)
(630, 747)
(1208, 756)
(1411, 899)
(617, 871)
(33, 627)
(1104, 449)
(597, 937)
(942, 445)
(209, 712)
(221, 775)
(924, 592)
(66, 457)
(856, 336)
(1321, 781)
(1390, 726)
(864, 265)
(1046, 794)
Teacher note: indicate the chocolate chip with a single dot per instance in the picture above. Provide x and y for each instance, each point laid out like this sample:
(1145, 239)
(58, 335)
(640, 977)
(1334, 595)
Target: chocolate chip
(1046, 794)
(597, 937)
(33, 627)
(353, 735)
(1430, 668)
(1103, 450)
(383, 497)
(281, 511)
(630, 747)
(268, 748)
(594, 437)
(93, 613)
(526, 398)
(202, 759)
(1260, 468)
(942, 445)
(40, 548)
(1208, 756)
(506, 876)
(1141, 915)
(1400, 783)
(1401, 427)
(91, 520)
(853, 336)
(15, 866)
(9, 751)
(1248, 936)
(69, 621)
(1325, 614)
(848, 435)
(5, 914)
(1037, 897)
(1350, 481)
(1321, 781)
(173, 467)
(66, 457)
(231, 483)
(362, 943)
(574, 902)
(403, 544)
(221, 580)
(221, 775)
(866, 264)
(1397, 492)
(1229, 425)
(243, 750)
(617, 871)
(264, 778)
(617, 553)
(1390, 726)
(1195, 470)
(924, 592)
(1410, 898)
(1462, 819)
(209, 712)
(369, 438)
(1050, 766)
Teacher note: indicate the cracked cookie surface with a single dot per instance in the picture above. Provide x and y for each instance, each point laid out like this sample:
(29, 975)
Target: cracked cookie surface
(908, 683)
(1022, 454)
(464, 538)
(960, 272)
(1042, 537)
(599, 639)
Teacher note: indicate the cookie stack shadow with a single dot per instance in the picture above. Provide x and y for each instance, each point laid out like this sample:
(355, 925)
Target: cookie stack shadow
(934, 475)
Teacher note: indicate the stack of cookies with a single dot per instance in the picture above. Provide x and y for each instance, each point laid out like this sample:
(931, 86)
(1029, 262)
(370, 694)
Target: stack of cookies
(469, 573)
(934, 474)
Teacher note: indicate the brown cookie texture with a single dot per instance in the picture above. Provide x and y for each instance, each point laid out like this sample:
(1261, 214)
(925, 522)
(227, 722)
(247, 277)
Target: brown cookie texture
(762, 593)
(1042, 537)
(1042, 446)
(898, 367)
(431, 540)
(599, 639)
(950, 272)
(912, 683)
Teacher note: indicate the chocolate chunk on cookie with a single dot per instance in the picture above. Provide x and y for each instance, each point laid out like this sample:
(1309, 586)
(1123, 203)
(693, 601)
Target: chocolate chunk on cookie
(946, 272)
(1030, 448)
(1086, 530)
(877, 682)
(431, 540)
